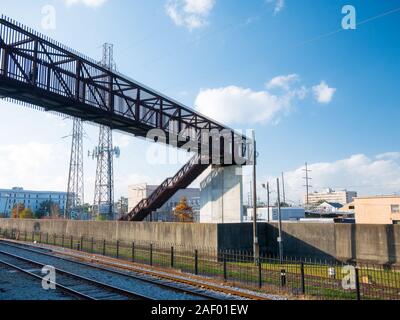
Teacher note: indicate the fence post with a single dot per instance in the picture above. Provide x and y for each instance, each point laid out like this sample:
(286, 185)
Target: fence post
(55, 240)
(117, 249)
(196, 262)
(172, 257)
(26, 235)
(33, 236)
(62, 240)
(47, 238)
(104, 247)
(92, 245)
(283, 278)
(81, 243)
(358, 289)
(133, 251)
(40, 237)
(303, 279)
(259, 273)
(151, 254)
(225, 268)
(72, 242)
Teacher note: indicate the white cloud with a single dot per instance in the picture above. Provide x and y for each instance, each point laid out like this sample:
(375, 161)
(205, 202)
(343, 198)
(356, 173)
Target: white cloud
(191, 14)
(323, 93)
(33, 165)
(388, 156)
(238, 105)
(121, 140)
(278, 5)
(367, 175)
(283, 82)
(88, 3)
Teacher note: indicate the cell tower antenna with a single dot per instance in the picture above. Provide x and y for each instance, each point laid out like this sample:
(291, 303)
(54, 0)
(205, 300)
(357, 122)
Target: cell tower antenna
(307, 178)
(75, 191)
(104, 153)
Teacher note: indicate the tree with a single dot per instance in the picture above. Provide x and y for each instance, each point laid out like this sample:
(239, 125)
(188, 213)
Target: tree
(17, 210)
(183, 212)
(48, 209)
(55, 211)
(26, 214)
(283, 204)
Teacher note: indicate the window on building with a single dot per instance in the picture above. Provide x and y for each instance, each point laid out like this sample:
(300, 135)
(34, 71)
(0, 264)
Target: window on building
(395, 208)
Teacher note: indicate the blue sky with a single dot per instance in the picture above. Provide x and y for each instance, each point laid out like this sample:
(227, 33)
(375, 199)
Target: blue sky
(312, 91)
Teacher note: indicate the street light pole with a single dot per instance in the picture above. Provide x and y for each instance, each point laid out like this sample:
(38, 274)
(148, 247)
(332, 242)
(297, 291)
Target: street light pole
(256, 246)
(280, 243)
(266, 187)
(268, 204)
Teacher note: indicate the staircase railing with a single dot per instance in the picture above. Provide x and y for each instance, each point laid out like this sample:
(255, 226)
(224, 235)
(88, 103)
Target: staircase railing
(168, 184)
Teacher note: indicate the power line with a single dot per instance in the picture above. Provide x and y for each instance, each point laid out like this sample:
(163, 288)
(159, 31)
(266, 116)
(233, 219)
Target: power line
(326, 35)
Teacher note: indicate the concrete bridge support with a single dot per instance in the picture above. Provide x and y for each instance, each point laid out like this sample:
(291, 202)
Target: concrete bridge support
(221, 195)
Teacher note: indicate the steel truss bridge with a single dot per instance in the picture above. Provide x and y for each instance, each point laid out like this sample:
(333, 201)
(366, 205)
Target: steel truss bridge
(42, 73)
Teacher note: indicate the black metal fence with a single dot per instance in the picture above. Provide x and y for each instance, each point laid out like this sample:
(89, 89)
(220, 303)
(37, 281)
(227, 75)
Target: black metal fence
(308, 279)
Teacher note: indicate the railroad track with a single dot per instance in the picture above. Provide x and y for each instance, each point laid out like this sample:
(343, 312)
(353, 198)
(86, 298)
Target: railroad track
(169, 276)
(195, 291)
(71, 283)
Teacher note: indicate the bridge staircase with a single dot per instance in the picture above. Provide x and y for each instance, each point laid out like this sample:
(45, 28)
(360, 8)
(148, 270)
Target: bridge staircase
(167, 189)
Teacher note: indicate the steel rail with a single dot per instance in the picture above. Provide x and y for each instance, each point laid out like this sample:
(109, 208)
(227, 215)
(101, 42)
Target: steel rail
(23, 247)
(91, 282)
(61, 287)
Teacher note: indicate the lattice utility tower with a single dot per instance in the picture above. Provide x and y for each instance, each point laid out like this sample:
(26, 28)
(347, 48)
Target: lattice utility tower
(104, 153)
(75, 192)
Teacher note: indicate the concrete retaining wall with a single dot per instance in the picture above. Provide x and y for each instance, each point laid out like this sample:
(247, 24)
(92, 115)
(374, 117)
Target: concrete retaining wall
(345, 242)
(199, 235)
(374, 243)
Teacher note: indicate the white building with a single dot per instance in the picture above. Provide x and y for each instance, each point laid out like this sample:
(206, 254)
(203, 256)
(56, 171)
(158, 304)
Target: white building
(343, 197)
(30, 199)
(287, 214)
(138, 192)
(329, 207)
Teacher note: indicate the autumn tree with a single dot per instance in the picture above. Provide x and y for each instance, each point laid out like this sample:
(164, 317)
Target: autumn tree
(17, 210)
(26, 214)
(183, 212)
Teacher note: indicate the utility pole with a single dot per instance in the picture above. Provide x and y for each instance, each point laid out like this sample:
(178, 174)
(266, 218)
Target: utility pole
(283, 188)
(268, 202)
(307, 185)
(256, 247)
(280, 240)
(75, 189)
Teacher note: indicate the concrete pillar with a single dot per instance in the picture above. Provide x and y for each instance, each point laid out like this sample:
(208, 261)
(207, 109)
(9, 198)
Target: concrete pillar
(221, 195)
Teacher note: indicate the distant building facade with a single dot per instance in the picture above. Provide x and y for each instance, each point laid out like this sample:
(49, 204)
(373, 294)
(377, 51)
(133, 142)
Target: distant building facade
(329, 207)
(377, 210)
(343, 197)
(287, 214)
(30, 199)
(138, 192)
